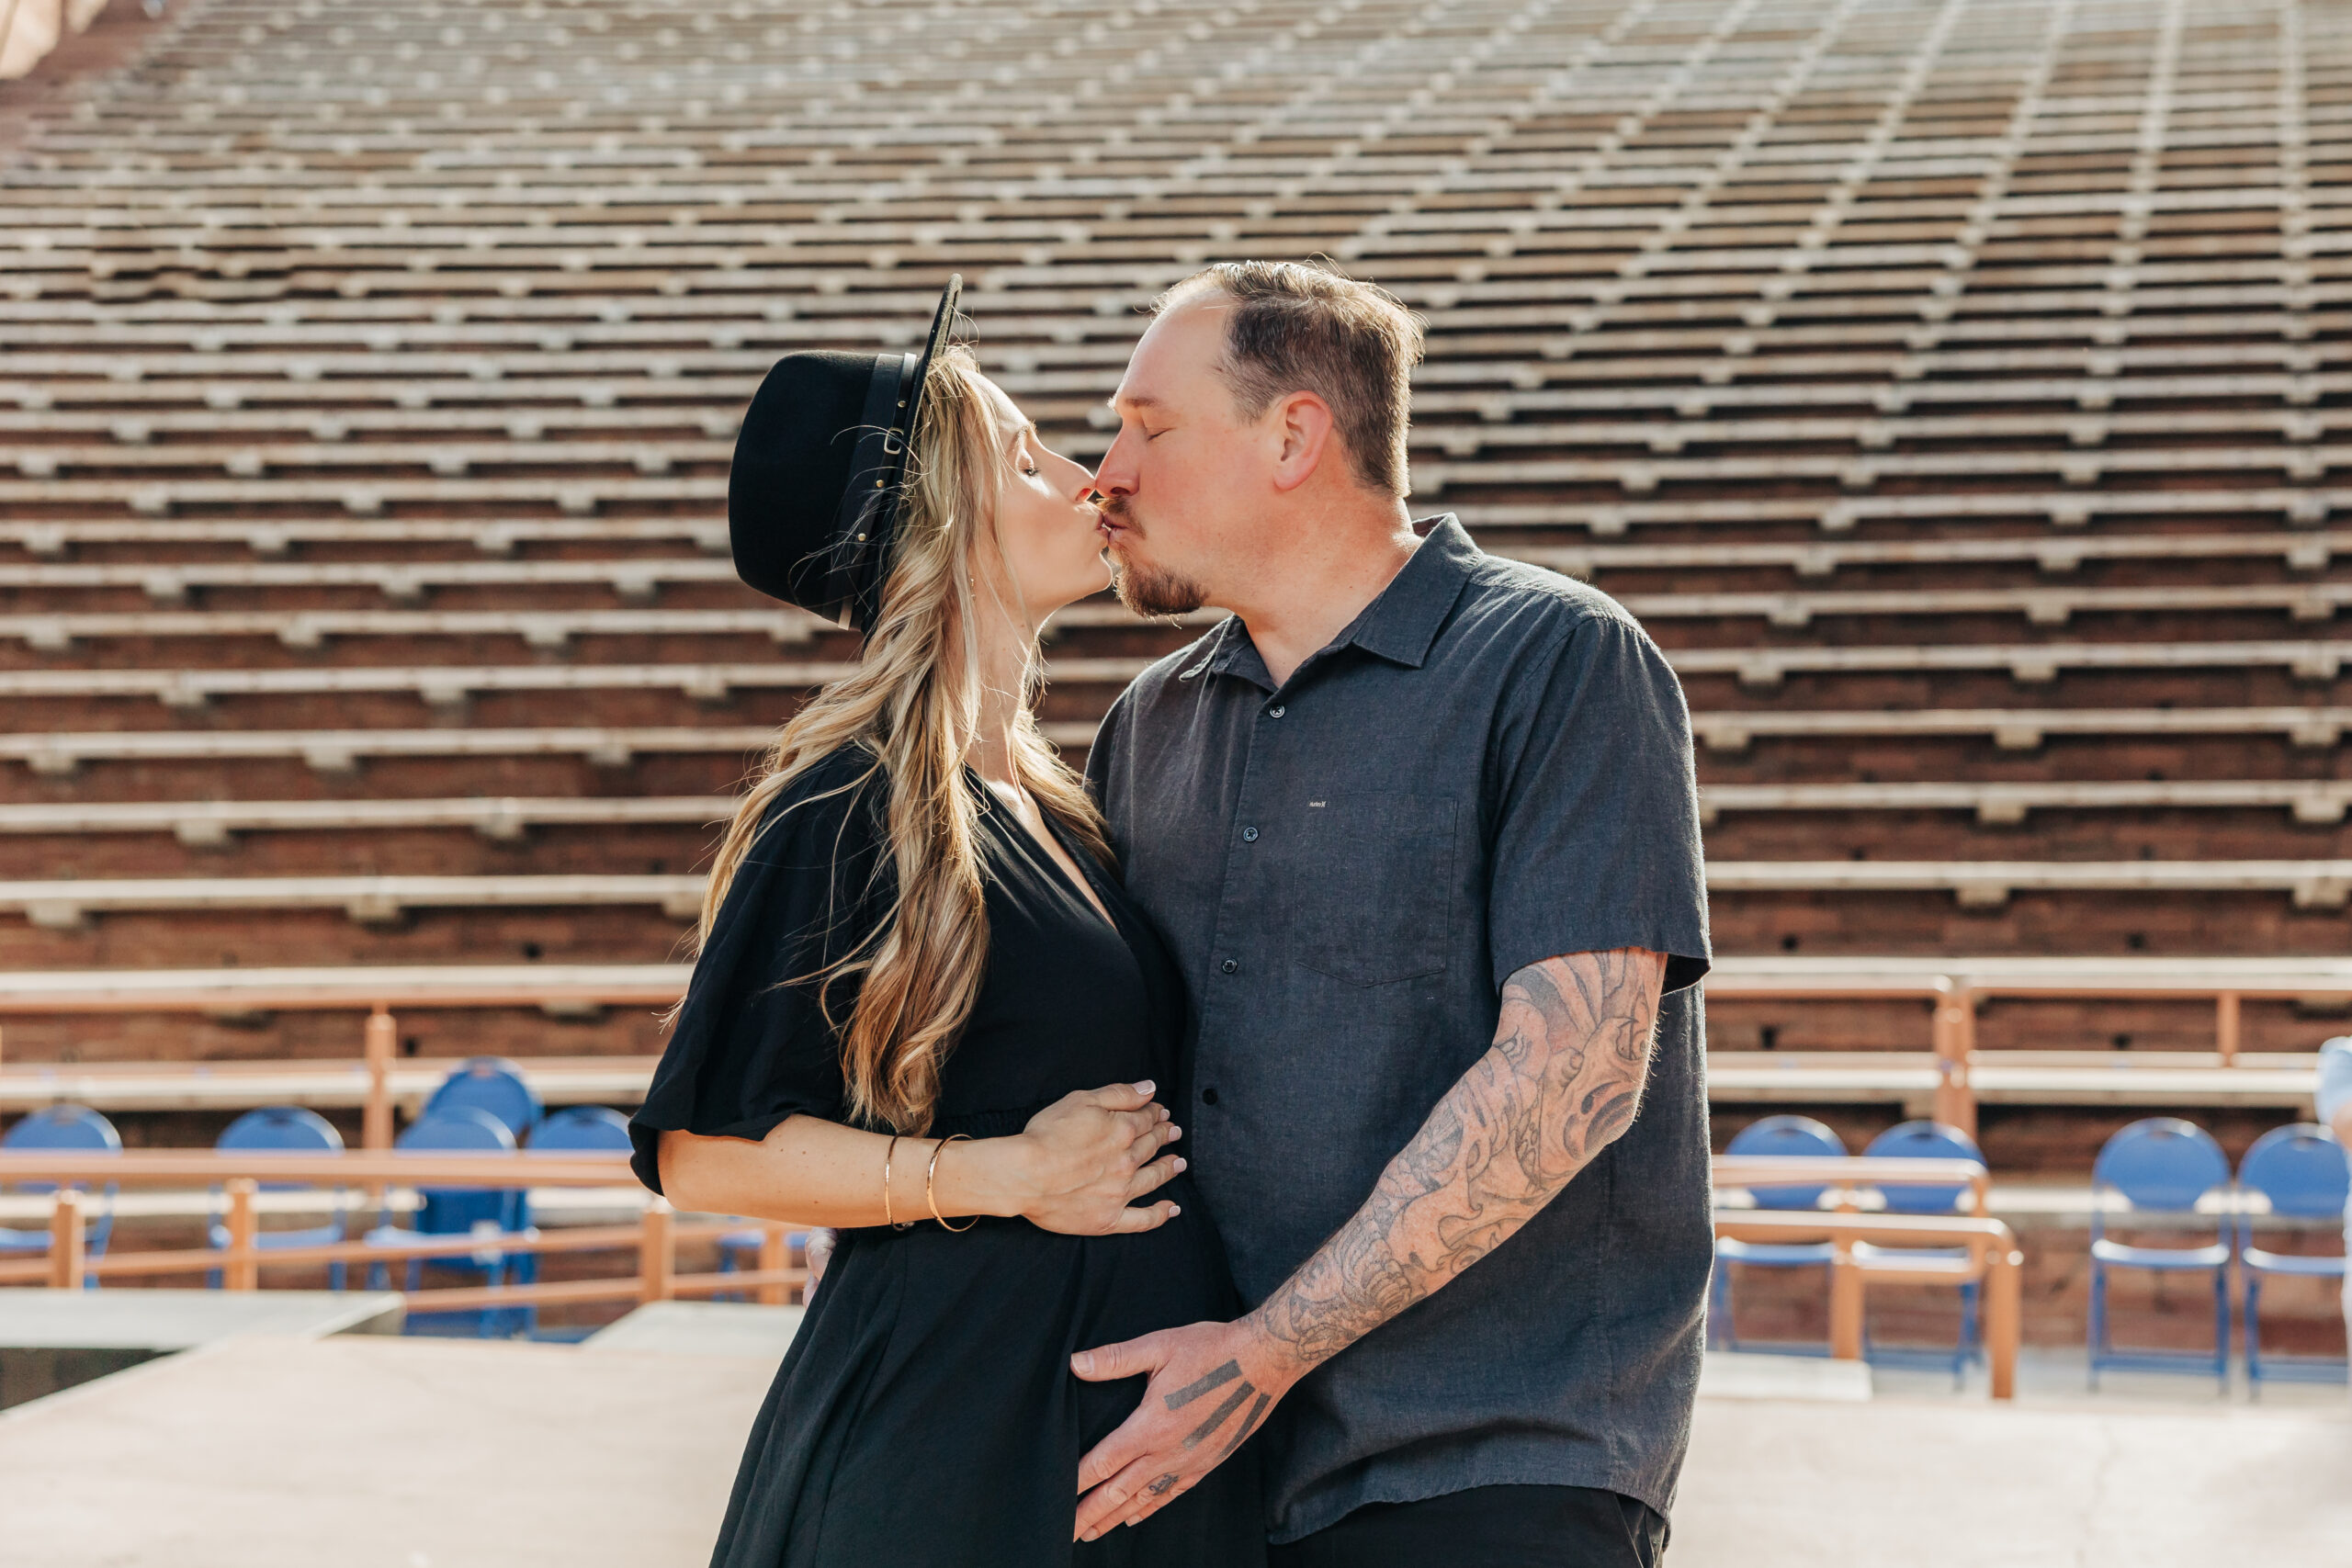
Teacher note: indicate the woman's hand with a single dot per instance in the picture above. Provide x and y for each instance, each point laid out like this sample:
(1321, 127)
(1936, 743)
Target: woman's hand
(1082, 1158)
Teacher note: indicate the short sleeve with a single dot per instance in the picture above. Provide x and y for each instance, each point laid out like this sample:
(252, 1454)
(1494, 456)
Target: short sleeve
(753, 1047)
(2335, 1078)
(1596, 808)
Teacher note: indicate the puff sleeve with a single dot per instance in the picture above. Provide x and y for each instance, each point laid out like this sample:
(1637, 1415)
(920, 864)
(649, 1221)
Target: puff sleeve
(752, 1046)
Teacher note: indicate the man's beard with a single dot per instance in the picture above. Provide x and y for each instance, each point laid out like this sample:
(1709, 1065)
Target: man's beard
(1142, 589)
(1149, 592)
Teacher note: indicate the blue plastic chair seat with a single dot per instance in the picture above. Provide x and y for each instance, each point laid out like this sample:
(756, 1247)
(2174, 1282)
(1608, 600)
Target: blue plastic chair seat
(2301, 1264)
(24, 1241)
(1775, 1254)
(2164, 1258)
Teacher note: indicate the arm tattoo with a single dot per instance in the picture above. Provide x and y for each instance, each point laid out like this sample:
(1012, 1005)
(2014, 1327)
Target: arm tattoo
(1562, 1081)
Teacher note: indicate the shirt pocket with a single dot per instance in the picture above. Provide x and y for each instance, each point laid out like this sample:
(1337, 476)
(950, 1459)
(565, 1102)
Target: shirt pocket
(1371, 887)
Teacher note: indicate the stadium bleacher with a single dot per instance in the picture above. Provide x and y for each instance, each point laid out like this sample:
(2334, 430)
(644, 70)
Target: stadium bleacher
(1951, 387)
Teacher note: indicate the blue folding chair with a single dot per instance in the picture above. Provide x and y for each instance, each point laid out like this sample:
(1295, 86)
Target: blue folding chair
(2161, 1166)
(575, 1129)
(61, 1129)
(1788, 1136)
(1924, 1140)
(2303, 1172)
(491, 1084)
(490, 1214)
(283, 1129)
(581, 1129)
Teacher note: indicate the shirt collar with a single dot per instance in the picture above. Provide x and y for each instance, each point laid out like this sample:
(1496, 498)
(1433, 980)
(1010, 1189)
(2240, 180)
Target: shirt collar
(1399, 626)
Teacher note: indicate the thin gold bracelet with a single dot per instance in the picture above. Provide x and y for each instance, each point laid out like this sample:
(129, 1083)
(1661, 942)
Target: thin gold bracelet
(932, 1197)
(887, 1218)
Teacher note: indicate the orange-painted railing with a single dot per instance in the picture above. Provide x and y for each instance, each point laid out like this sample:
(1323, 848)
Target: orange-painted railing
(654, 1238)
(1987, 1248)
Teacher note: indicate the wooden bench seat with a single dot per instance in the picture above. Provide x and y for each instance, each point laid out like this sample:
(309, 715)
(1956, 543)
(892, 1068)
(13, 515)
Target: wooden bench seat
(209, 823)
(1640, 475)
(66, 905)
(2315, 884)
(2069, 511)
(2271, 1081)
(446, 459)
(2312, 803)
(635, 579)
(2022, 729)
(240, 426)
(2030, 663)
(2298, 551)
(2048, 606)
(309, 629)
(575, 493)
(370, 900)
(443, 685)
(279, 535)
(340, 750)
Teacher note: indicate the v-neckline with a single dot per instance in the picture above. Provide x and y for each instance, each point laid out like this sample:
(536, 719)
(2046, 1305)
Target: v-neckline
(1088, 895)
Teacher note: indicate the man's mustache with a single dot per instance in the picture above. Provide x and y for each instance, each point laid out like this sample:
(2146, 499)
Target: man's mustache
(1117, 508)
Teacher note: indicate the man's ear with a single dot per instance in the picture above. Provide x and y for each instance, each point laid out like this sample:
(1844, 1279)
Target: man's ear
(1303, 422)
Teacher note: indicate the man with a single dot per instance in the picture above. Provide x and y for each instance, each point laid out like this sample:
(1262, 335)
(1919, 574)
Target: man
(1420, 825)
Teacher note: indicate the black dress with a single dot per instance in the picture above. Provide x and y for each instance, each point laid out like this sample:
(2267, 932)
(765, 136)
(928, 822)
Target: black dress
(926, 1415)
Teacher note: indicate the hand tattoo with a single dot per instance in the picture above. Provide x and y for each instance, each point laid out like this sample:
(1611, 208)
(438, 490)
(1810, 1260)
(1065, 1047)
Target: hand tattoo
(1562, 1081)
(1224, 1412)
(1159, 1487)
(1193, 1391)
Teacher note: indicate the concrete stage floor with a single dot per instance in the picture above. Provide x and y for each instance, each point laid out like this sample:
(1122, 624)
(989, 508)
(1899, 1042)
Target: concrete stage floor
(379, 1452)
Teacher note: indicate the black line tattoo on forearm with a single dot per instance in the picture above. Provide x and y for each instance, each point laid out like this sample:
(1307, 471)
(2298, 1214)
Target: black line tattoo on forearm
(1561, 1080)
(1193, 1391)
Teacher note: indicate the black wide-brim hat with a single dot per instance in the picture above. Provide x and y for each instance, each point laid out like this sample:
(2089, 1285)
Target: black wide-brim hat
(813, 497)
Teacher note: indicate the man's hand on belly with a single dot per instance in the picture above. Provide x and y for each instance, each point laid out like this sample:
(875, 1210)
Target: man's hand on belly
(1563, 1080)
(1211, 1386)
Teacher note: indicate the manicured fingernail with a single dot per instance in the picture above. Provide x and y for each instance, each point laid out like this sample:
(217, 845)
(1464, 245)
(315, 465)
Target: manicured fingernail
(1173, 1210)
(1182, 1162)
(1143, 1088)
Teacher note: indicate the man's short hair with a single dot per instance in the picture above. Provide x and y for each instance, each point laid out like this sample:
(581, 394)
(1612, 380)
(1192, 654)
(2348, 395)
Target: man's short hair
(1308, 327)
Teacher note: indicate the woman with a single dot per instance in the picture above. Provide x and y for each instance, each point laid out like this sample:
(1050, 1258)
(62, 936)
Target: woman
(917, 978)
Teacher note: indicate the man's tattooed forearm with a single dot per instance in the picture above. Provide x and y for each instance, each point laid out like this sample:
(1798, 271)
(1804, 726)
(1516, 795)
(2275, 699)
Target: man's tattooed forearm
(1563, 1080)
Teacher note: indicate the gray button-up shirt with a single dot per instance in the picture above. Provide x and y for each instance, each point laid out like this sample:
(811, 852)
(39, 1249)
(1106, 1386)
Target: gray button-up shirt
(1491, 767)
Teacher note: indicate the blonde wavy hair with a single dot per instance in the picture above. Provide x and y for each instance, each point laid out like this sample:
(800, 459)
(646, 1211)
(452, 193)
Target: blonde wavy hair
(913, 705)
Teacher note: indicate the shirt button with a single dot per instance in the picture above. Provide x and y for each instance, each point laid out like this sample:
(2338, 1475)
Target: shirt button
(1229, 965)
(1249, 835)
(1276, 711)
(1208, 1095)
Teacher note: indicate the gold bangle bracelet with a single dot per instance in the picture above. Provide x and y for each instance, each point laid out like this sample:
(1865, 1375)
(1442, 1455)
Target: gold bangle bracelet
(887, 1218)
(930, 1193)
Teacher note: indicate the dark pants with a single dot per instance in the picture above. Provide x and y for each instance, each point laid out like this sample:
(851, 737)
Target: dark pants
(1490, 1527)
